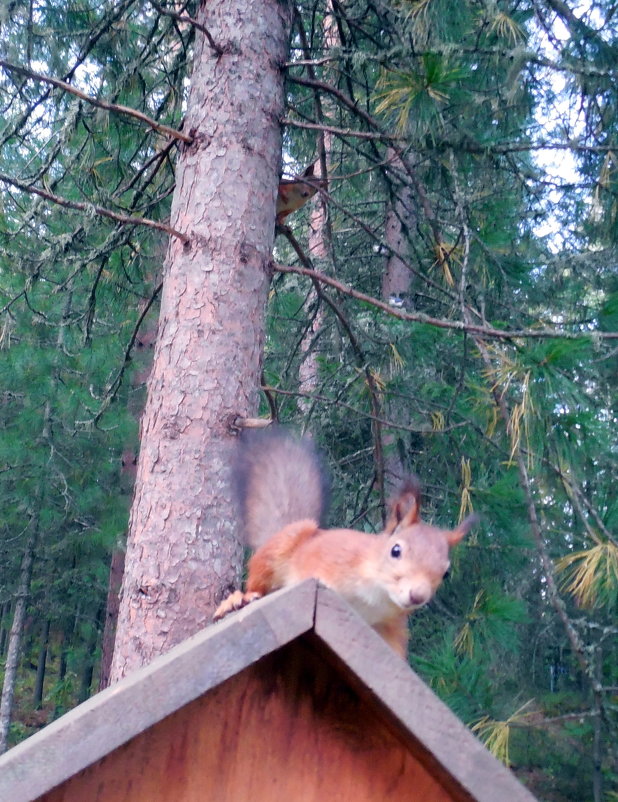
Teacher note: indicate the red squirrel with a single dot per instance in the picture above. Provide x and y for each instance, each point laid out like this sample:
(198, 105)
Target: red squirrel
(283, 495)
(294, 193)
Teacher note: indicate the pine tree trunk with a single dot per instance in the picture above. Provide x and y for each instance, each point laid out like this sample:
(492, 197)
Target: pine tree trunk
(15, 636)
(41, 666)
(319, 230)
(397, 282)
(397, 277)
(62, 668)
(183, 553)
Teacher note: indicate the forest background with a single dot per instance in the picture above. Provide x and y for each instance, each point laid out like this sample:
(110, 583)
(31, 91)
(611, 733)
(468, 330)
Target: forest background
(447, 304)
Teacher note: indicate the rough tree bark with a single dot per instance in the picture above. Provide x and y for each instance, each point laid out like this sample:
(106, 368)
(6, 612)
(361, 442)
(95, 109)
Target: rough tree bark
(183, 553)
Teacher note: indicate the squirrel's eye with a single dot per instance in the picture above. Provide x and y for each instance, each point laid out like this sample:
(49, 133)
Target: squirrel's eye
(396, 551)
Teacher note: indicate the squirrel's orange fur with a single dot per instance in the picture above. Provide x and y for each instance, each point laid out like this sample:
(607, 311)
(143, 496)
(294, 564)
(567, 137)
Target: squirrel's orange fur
(293, 194)
(384, 577)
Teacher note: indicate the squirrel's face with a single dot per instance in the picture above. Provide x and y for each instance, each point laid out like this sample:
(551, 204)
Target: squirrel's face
(414, 563)
(415, 556)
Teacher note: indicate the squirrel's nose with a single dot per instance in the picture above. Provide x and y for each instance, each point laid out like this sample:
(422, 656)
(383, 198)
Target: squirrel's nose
(417, 599)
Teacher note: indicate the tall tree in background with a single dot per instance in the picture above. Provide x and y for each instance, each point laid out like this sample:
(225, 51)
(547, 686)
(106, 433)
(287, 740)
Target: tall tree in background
(472, 146)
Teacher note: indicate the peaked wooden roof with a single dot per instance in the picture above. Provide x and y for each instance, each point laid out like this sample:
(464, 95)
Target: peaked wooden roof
(123, 711)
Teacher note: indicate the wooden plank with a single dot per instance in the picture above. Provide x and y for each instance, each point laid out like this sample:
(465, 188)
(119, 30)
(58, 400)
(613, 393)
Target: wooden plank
(288, 727)
(124, 710)
(437, 736)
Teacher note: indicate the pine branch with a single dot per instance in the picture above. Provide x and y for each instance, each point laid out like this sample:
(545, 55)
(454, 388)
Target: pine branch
(453, 325)
(501, 149)
(102, 104)
(391, 424)
(506, 53)
(90, 208)
(190, 21)
(342, 132)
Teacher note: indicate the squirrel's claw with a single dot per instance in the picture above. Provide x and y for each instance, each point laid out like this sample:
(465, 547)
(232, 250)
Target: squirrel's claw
(235, 601)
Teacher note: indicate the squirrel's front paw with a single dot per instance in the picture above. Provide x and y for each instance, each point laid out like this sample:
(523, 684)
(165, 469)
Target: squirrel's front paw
(233, 602)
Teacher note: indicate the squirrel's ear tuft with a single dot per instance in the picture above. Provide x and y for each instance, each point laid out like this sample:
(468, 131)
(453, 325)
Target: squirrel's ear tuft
(455, 535)
(405, 506)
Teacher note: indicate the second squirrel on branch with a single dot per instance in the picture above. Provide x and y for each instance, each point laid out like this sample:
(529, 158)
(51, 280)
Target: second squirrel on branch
(294, 193)
(284, 494)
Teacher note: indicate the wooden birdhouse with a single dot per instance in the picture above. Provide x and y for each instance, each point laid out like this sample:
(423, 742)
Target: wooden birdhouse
(293, 698)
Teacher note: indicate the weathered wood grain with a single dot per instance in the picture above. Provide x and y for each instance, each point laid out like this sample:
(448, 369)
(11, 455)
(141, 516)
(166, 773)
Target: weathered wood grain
(443, 743)
(126, 709)
(288, 728)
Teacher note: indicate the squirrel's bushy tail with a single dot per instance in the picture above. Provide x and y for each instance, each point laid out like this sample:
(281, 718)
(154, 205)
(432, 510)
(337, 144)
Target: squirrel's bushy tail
(279, 479)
